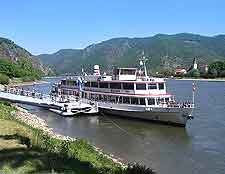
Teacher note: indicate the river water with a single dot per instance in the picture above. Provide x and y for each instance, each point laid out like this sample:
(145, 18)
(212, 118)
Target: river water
(199, 148)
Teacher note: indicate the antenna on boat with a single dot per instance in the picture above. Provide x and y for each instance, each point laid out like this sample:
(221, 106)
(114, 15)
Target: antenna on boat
(193, 93)
(142, 60)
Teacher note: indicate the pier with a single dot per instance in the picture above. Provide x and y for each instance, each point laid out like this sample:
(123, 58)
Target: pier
(60, 105)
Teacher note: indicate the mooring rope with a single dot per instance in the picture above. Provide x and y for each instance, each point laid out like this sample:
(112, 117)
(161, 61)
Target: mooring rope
(116, 125)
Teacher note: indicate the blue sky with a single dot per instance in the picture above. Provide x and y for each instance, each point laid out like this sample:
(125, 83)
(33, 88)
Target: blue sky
(45, 26)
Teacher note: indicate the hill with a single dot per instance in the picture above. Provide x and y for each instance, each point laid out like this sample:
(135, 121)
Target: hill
(11, 53)
(163, 51)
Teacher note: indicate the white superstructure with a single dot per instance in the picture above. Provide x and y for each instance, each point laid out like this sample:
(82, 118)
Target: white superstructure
(129, 93)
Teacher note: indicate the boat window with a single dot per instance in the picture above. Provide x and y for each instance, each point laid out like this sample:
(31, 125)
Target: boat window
(95, 97)
(117, 99)
(128, 86)
(105, 97)
(161, 86)
(103, 85)
(117, 71)
(127, 71)
(120, 99)
(70, 82)
(152, 86)
(140, 86)
(88, 84)
(94, 84)
(73, 83)
(63, 82)
(67, 82)
(142, 101)
(151, 101)
(134, 101)
(160, 100)
(115, 85)
(126, 100)
(100, 97)
(112, 99)
(167, 100)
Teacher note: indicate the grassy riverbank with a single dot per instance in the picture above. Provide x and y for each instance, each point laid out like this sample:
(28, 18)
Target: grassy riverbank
(26, 149)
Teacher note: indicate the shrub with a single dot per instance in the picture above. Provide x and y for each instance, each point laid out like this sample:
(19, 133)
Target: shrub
(4, 79)
(212, 73)
(136, 169)
(196, 74)
(222, 73)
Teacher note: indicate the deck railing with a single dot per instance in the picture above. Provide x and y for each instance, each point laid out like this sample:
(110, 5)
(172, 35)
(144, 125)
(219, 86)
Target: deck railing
(22, 92)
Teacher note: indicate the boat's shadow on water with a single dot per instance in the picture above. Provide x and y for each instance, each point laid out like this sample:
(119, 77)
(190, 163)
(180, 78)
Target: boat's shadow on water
(132, 126)
(145, 129)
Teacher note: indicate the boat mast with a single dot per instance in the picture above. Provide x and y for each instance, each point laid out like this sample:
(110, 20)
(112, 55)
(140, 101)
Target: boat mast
(193, 93)
(142, 60)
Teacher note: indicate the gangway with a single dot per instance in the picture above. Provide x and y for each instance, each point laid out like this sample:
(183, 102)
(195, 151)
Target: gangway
(55, 104)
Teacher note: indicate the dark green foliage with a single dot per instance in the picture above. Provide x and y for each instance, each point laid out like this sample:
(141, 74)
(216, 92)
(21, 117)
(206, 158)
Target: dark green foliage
(4, 79)
(212, 73)
(163, 51)
(20, 69)
(196, 74)
(22, 139)
(193, 73)
(136, 169)
(18, 55)
(222, 73)
(217, 69)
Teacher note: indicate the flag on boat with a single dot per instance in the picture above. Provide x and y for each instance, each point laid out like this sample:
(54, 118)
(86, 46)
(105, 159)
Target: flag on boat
(80, 83)
(193, 86)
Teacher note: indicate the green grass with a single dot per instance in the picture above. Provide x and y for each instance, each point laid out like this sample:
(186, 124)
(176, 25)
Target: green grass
(16, 157)
(22, 150)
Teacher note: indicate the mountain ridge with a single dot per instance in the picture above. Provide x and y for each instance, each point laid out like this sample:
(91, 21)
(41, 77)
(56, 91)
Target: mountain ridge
(163, 50)
(9, 50)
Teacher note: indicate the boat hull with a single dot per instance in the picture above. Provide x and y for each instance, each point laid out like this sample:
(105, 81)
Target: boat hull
(173, 116)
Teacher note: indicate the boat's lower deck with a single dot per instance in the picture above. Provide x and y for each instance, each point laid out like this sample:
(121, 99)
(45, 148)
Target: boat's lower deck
(177, 116)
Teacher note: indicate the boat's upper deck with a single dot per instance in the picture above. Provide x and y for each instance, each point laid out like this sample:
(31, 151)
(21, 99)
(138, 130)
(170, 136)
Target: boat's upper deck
(105, 84)
(124, 81)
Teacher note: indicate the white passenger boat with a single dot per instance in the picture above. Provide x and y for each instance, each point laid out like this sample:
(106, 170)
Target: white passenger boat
(129, 92)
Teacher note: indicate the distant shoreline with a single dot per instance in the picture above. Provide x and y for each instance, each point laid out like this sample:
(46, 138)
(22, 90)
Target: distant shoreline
(28, 83)
(192, 79)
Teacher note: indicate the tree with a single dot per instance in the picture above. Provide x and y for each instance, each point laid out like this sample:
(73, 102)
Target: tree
(216, 68)
(212, 73)
(22, 69)
(4, 79)
(222, 73)
(195, 73)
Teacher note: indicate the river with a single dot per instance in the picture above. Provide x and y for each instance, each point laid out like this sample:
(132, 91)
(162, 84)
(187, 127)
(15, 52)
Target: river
(199, 148)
